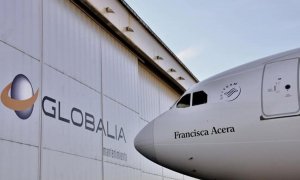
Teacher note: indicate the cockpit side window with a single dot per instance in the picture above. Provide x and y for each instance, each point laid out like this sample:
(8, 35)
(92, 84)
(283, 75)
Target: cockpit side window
(184, 102)
(199, 97)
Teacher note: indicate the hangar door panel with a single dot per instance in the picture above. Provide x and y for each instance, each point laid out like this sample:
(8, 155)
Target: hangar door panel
(280, 89)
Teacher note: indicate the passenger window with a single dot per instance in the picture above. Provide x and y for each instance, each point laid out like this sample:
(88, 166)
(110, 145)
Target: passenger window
(199, 97)
(184, 101)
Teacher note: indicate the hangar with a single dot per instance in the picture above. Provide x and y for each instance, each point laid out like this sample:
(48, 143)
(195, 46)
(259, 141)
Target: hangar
(78, 80)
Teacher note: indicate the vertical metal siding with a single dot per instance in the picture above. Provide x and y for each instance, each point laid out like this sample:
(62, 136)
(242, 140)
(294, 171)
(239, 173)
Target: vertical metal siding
(118, 116)
(147, 176)
(148, 95)
(18, 161)
(62, 166)
(120, 73)
(63, 136)
(21, 25)
(72, 42)
(117, 172)
(75, 51)
(167, 97)
(12, 128)
(155, 97)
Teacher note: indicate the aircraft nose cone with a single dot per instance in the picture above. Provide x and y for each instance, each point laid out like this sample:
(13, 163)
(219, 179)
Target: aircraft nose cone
(144, 142)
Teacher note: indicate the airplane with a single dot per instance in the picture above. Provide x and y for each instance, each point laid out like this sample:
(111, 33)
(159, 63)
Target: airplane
(243, 123)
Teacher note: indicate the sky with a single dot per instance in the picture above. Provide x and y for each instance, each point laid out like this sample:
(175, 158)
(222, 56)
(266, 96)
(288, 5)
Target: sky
(213, 36)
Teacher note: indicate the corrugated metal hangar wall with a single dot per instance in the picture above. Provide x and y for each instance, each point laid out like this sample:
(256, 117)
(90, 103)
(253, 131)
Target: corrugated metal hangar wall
(94, 95)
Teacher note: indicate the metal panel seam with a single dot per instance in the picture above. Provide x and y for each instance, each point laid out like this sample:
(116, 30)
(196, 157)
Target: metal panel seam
(120, 103)
(41, 94)
(1, 139)
(73, 154)
(19, 50)
(69, 76)
(102, 113)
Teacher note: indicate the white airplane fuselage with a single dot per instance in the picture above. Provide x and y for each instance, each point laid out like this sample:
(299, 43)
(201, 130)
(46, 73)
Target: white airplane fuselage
(240, 124)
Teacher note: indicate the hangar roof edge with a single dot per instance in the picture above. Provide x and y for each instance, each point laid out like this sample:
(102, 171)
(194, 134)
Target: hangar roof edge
(118, 24)
(157, 38)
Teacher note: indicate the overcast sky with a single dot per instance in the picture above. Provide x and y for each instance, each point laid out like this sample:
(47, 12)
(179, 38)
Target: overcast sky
(213, 36)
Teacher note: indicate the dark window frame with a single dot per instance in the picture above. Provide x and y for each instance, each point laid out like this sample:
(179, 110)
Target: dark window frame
(180, 103)
(199, 98)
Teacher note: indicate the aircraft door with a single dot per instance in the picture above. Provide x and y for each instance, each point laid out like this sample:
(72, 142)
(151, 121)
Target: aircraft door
(280, 97)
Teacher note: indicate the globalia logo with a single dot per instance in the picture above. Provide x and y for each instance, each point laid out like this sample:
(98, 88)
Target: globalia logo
(21, 98)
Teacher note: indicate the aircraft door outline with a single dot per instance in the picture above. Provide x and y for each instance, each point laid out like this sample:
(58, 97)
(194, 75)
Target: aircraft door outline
(280, 89)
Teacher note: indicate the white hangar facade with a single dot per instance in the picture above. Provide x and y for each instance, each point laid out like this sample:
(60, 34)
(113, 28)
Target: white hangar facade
(79, 79)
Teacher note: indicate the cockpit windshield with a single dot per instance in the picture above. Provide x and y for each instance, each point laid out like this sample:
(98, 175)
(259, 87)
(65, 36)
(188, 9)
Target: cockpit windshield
(199, 97)
(194, 99)
(184, 102)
